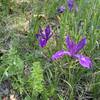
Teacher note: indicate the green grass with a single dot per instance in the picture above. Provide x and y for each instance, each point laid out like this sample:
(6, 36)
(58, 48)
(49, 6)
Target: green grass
(28, 67)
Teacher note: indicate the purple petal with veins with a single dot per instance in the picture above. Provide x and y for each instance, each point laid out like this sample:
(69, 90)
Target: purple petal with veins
(42, 42)
(37, 36)
(50, 35)
(47, 31)
(59, 54)
(41, 33)
(70, 45)
(80, 45)
(84, 61)
(70, 4)
(61, 9)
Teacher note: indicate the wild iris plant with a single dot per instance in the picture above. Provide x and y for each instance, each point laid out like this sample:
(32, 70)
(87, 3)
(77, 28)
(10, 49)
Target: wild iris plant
(44, 35)
(61, 9)
(70, 4)
(73, 49)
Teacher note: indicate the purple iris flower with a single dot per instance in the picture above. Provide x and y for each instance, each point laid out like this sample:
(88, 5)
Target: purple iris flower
(44, 35)
(70, 4)
(61, 9)
(73, 50)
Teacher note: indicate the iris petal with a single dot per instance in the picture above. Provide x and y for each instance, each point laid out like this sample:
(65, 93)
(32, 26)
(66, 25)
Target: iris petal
(86, 62)
(61, 9)
(70, 45)
(70, 4)
(59, 54)
(47, 31)
(42, 43)
(37, 36)
(80, 45)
